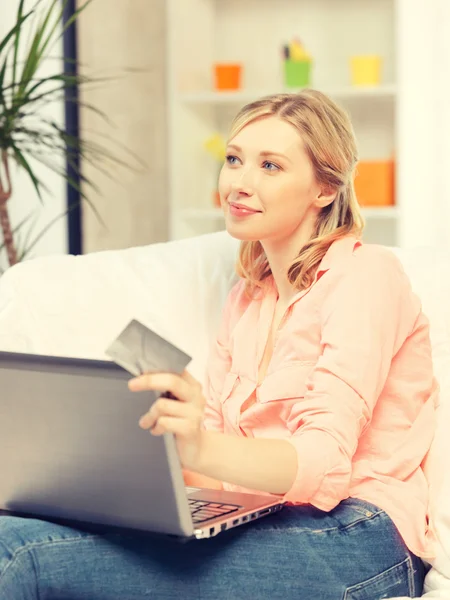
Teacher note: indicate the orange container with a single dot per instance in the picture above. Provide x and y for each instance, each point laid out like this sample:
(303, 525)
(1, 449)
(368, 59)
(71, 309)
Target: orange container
(374, 183)
(227, 76)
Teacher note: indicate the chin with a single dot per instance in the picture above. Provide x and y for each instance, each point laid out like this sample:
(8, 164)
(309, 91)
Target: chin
(242, 235)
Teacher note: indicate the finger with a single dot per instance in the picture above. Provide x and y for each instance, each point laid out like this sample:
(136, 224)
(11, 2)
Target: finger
(165, 407)
(168, 395)
(195, 384)
(166, 382)
(162, 382)
(179, 427)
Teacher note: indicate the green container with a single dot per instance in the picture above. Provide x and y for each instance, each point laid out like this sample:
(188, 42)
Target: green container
(297, 73)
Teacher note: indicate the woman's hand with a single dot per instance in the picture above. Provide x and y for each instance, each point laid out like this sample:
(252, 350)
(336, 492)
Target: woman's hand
(183, 416)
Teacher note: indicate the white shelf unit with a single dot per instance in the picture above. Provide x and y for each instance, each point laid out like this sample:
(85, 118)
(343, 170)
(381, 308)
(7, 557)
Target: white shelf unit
(240, 98)
(201, 32)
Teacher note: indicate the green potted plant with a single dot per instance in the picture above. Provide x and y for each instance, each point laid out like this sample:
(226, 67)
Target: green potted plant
(25, 133)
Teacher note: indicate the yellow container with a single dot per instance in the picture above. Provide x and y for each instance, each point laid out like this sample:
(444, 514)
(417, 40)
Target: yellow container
(365, 70)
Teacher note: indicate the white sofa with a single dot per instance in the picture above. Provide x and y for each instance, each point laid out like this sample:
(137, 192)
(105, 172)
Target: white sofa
(75, 306)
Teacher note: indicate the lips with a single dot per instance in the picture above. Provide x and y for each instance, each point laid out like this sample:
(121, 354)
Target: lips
(243, 208)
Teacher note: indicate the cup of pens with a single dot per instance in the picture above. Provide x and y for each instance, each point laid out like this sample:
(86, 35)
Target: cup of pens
(297, 65)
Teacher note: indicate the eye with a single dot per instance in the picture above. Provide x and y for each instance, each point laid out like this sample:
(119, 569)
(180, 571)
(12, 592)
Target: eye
(231, 160)
(270, 166)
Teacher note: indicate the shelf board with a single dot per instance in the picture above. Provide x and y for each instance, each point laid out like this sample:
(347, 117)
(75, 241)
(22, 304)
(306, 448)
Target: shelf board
(245, 96)
(211, 214)
(380, 212)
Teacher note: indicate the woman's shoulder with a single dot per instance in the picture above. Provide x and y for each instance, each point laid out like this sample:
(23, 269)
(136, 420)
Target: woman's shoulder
(375, 260)
(368, 269)
(377, 253)
(376, 275)
(371, 280)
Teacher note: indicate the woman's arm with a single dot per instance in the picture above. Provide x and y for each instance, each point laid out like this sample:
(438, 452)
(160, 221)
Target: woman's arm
(367, 313)
(267, 465)
(366, 316)
(258, 464)
(198, 480)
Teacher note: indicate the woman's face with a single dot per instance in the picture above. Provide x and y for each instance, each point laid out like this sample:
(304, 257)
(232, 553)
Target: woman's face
(267, 186)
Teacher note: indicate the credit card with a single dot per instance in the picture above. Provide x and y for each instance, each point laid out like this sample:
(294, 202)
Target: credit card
(140, 350)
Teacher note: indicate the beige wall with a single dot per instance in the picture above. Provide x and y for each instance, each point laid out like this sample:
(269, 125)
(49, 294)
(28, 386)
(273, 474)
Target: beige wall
(115, 37)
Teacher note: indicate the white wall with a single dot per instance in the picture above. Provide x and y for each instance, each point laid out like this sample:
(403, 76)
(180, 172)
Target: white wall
(424, 121)
(24, 199)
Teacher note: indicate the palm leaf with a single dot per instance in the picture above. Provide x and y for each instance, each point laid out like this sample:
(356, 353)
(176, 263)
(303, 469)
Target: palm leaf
(17, 41)
(12, 32)
(2, 79)
(69, 81)
(34, 56)
(37, 184)
(70, 180)
(112, 141)
(42, 80)
(74, 16)
(89, 147)
(43, 38)
(25, 133)
(17, 228)
(22, 245)
(28, 246)
(55, 139)
(46, 21)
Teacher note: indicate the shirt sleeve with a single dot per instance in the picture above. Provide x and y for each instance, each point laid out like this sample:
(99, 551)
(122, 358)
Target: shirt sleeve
(219, 363)
(367, 312)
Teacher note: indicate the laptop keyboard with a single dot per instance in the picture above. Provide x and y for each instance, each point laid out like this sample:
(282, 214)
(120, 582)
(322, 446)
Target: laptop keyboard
(202, 510)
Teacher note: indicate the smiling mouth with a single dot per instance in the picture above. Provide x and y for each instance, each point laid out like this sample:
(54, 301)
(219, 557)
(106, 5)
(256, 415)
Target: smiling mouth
(239, 208)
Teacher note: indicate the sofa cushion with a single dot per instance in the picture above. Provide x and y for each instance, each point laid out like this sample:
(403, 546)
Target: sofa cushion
(76, 305)
(428, 270)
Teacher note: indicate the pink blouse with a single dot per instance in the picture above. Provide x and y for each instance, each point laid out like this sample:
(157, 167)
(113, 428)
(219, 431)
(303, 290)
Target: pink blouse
(350, 385)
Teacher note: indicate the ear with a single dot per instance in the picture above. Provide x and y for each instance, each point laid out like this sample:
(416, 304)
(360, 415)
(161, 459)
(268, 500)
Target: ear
(325, 197)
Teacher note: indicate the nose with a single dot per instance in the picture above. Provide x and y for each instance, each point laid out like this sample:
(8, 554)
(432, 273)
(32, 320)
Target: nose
(242, 185)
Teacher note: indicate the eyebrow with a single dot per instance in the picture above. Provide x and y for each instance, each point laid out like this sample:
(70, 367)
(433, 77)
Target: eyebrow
(264, 153)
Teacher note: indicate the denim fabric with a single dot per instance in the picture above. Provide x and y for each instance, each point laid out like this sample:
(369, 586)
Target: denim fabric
(353, 552)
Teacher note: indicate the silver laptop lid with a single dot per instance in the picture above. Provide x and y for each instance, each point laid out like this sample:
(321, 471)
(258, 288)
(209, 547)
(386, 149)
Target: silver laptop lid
(71, 447)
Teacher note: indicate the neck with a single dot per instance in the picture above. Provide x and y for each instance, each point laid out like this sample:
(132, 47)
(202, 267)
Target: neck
(281, 254)
(280, 259)
(285, 289)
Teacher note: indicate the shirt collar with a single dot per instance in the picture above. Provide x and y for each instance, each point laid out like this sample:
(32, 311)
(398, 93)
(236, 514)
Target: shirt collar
(339, 251)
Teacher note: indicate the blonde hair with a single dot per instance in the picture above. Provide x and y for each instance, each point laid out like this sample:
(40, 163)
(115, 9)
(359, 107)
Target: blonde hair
(327, 134)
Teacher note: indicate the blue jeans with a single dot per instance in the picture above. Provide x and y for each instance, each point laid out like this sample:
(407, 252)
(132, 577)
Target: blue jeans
(353, 552)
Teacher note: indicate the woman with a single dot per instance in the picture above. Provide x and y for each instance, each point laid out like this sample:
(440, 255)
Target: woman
(320, 389)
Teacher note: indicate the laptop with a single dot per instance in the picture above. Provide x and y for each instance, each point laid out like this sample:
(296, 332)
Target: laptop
(72, 451)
